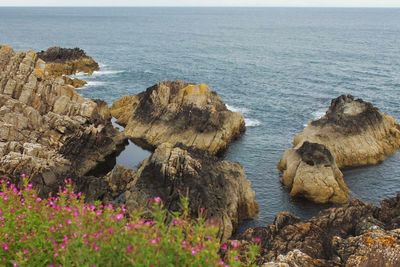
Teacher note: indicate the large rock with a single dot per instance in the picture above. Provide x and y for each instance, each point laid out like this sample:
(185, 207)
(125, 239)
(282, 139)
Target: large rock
(178, 112)
(219, 187)
(47, 130)
(355, 235)
(352, 133)
(311, 172)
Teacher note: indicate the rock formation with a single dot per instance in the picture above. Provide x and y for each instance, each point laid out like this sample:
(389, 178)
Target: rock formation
(47, 130)
(178, 112)
(352, 133)
(356, 235)
(355, 132)
(219, 187)
(311, 171)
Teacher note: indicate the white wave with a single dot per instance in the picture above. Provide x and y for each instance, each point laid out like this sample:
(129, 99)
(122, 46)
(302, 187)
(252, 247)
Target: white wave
(252, 122)
(93, 84)
(237, 109)
(101, 65)
(248, 121)
(106, 72)
(318, 114)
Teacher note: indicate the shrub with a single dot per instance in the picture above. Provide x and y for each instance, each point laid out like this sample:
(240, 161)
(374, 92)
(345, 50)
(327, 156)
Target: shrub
(66, 231)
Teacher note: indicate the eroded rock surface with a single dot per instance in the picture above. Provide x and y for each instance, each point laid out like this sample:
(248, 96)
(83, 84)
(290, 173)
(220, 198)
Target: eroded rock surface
(311, 172)
(47, 130)
(219, 187)
(356, 235)
(352, 133)
(179, 112)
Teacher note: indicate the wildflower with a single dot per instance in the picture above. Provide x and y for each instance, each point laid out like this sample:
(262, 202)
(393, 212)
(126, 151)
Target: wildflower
(119, 216)
(129, 249)
(194, 251)
(5, 247)
(155, 241)
(30, 186)
(157, 200)
(224, 246)
(235, 244)
(256, 240)
(69, 221)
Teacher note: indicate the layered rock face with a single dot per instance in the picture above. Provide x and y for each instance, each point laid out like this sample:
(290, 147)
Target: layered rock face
(178, 112)
(352, 133)
(311, 171)
(356, 235)
(219, 187)
(47, 130)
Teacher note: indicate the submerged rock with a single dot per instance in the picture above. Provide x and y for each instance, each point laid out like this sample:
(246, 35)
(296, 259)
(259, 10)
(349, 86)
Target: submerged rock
(219, 187)
(354, 235)
(47, 130)
(352, 133)
(311, 171)
(179, 112)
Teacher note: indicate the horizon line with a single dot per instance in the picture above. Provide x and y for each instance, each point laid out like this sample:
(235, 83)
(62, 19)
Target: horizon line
(195, 6)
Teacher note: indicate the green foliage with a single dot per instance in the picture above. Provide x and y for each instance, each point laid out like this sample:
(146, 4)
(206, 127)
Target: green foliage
(64, 231)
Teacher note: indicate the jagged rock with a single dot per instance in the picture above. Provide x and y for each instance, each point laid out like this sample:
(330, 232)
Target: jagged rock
(353, 235)
(311, 171)
(352, 133)
(47, 130)
(218, 186)
(176, 112)
(66, 61)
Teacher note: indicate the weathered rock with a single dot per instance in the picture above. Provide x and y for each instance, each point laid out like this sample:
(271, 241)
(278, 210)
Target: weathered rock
(219, 187)
(178, 112)
(346, 236)
(352, 133)
(311, 171)
(47, 130)
(66, 61)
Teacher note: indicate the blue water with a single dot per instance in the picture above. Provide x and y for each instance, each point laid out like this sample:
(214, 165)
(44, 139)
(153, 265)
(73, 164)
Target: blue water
(281, 66)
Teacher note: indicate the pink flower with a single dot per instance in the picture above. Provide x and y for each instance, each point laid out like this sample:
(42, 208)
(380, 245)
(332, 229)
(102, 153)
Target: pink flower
(256, 240)
(155, 241)
(235, 244)
(157, 200)
(224, 246)
(194, 251)
(69, 221)
(129, 249)
(119, 217)
(5, 247)
(30, 186)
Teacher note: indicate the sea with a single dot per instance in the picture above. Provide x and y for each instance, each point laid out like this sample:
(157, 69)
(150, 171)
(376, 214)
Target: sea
(280, 67)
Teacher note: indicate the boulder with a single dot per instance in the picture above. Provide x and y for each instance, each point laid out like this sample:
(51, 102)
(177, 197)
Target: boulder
(175, 171)
(179, 112)
(311, 172)
(47, 130)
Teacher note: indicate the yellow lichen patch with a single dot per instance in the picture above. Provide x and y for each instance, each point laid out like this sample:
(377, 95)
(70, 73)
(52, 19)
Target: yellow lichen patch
(199, 89)
(38, 73)
(386, 241)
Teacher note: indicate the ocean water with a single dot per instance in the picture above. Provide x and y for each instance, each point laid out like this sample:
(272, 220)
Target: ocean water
(279, 66)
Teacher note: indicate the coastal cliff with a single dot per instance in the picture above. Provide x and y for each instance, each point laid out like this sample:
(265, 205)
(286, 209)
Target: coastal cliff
(47, 130)
(179, 112)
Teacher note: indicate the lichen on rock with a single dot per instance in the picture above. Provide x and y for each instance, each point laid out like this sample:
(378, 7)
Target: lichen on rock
(179, 112)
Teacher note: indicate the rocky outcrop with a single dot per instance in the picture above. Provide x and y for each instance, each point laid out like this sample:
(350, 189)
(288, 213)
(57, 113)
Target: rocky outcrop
(352, 133)
(311, 172)
(356, 235)
(47, 130)
(219, 187)
(66, 61)
(179, 112)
